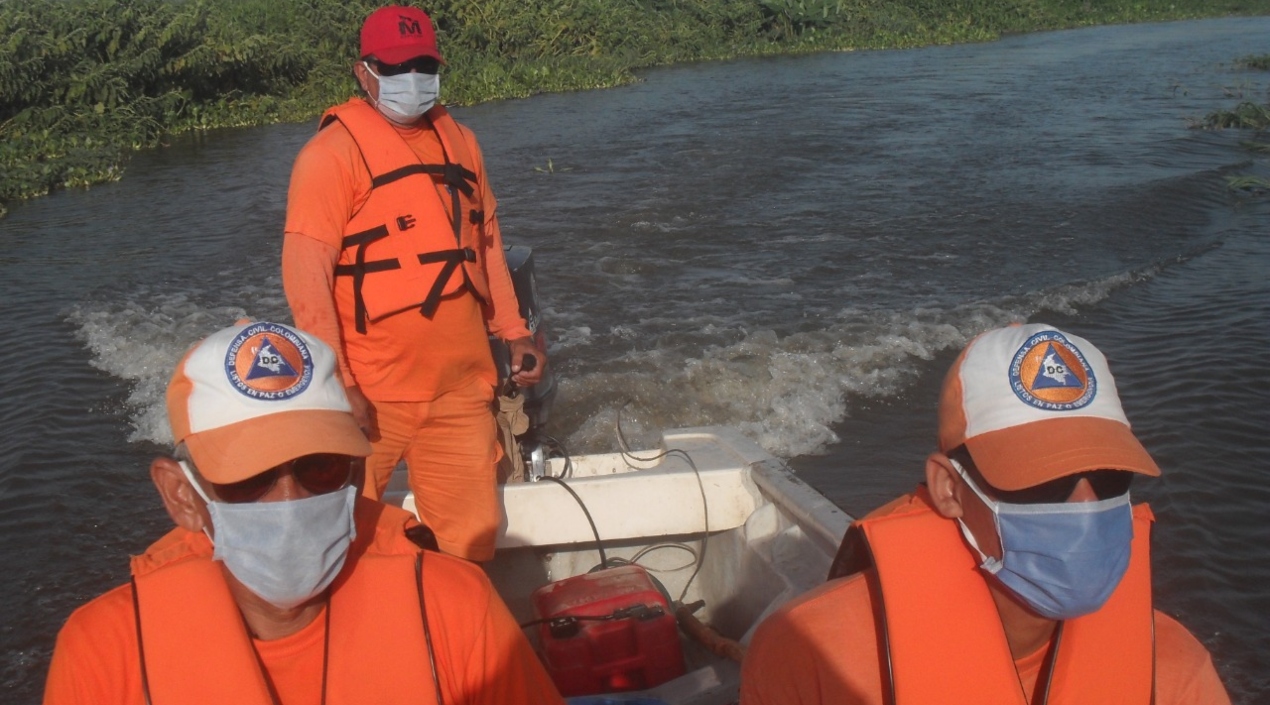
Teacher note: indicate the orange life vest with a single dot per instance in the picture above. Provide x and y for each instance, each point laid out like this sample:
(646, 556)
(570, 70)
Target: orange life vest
(403, 249)
(194, 647)
(936, 621)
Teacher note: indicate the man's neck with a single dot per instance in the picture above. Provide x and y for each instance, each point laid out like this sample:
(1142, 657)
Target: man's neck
(266, 621)
(408, 130)
(1025, 631)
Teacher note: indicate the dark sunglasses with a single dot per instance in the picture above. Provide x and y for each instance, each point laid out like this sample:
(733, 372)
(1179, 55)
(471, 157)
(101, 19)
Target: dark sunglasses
(419, 64)
(319, 473)
(1105, 484)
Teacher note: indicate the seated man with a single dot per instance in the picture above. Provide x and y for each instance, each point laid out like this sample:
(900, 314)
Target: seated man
(280, 583)
(1018, 573)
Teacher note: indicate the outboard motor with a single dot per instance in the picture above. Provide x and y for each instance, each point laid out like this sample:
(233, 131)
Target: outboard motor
(534, 402)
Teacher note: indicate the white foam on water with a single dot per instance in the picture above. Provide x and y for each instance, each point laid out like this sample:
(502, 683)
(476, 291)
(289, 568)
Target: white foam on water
(140, 339)
(570, 337)
(786, 393)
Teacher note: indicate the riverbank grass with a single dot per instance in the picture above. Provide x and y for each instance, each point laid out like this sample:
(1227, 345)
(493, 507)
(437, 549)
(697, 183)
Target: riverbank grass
(85, 82)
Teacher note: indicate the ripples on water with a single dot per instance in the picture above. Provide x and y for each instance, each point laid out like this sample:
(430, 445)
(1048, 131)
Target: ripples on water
(795, 246)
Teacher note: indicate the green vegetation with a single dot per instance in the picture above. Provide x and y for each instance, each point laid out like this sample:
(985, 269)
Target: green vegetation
(1247, 115)
(1250, 184)
(84, 82)
(1261, 62)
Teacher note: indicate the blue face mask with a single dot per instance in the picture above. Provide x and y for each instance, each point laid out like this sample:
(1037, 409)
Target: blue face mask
(1063, 560)
(285, 552)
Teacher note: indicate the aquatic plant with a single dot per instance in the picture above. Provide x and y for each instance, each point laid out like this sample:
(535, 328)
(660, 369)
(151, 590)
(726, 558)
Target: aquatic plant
(551, 168)
(85, 82)
(1261, 61)
(1246, 115)
(1251, 184)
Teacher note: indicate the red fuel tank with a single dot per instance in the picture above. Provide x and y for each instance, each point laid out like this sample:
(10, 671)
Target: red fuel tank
(607, 632)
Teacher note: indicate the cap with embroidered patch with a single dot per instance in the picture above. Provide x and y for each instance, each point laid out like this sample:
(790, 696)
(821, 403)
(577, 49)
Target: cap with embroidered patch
(395, 34)
(255, 395)
(1033, 404)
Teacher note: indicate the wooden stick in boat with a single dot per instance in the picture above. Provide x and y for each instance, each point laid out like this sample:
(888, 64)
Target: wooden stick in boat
(706, 635)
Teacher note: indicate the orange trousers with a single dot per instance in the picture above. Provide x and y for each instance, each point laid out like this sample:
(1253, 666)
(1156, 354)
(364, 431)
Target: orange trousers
(451, 449)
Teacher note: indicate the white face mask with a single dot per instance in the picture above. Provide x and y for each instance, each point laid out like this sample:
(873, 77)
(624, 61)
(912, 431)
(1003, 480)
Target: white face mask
(285, 552)
(404, 98)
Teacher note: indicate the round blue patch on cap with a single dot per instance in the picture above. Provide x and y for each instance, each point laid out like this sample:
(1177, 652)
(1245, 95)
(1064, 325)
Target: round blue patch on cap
(1049, 372)
(268, 361)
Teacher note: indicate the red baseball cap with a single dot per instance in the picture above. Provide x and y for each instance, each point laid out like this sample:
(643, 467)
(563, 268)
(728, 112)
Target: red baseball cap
(395, 34)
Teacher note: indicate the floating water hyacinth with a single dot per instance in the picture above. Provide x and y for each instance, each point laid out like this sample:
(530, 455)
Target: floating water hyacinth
(130, 72)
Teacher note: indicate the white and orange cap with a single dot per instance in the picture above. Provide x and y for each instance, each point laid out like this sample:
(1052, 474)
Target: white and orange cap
(1033, 404)
(255, 395)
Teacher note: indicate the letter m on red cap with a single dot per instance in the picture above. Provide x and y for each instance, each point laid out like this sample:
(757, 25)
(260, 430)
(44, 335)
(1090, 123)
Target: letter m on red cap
(409, 26)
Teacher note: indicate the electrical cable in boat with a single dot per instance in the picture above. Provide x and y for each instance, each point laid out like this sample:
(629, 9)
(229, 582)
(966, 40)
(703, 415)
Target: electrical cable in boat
(605, 561)
(599, 546)
(634, 560)
(705, 505)
(562, 452)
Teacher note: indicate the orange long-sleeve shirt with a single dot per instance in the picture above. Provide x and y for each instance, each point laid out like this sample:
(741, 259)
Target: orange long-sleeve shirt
(415, 358)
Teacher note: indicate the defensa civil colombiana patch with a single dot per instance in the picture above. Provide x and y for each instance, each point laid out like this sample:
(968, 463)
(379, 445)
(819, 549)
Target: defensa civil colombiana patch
(1049, 372)
(269, 362)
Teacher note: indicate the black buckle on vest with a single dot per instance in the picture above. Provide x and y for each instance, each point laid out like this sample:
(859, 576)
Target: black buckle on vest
(476, 217)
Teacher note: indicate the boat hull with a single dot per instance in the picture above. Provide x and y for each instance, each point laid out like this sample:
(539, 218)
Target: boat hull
(709, 513)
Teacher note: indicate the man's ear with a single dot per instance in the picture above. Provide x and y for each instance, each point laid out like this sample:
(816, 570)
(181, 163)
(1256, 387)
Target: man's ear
(363, 77)
(941, 482)
(186, 508)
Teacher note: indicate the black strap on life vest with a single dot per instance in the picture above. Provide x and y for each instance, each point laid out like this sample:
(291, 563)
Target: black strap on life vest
(853, 555)
(360, 268)
(141, 647)
(457, 178)
(427, 630)
(455, 175)
(452, 260)
(423, 536)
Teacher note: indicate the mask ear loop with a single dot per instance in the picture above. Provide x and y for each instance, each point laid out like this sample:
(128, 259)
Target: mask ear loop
(189, 475)
(988, 563)
(372, 101)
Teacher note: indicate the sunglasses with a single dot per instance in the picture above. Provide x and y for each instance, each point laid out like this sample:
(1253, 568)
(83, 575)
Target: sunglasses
(319, 473)
(1105, 484)
(419, 64)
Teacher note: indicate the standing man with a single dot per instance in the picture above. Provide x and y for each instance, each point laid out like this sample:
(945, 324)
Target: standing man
(1019, 573)
(280, 584)
(392, 255)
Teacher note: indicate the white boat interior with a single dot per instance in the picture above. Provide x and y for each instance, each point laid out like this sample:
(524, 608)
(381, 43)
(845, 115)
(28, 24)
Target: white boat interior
(709, 513)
